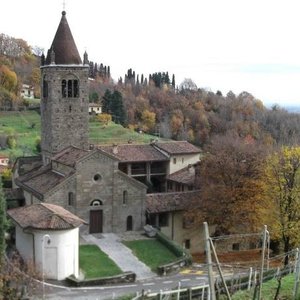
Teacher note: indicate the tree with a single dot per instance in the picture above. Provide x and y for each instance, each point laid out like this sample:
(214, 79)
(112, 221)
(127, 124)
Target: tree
(148, 120)
(282, 184)
(104, 118)
(230, 180)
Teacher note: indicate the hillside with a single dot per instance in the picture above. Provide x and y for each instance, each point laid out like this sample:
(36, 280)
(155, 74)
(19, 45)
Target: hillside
(24, 127)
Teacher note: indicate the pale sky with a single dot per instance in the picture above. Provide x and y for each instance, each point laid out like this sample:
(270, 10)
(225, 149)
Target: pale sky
(238, 45)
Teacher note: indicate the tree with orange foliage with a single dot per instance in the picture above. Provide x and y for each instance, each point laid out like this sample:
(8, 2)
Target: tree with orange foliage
(230, 179)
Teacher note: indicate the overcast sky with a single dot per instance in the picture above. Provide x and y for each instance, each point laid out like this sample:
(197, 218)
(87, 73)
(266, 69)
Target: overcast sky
(238, 45)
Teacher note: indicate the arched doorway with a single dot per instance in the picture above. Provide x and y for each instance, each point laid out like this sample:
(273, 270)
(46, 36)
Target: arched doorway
(96, 217)
(129, 223)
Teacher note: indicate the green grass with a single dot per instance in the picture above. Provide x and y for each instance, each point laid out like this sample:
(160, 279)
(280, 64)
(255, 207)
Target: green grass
(94, 263)
(151, 252)
(115, 133)
(269, 290)
(19, 125)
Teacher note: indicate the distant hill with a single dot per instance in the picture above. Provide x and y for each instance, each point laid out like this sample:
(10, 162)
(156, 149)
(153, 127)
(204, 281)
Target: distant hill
(293, 108)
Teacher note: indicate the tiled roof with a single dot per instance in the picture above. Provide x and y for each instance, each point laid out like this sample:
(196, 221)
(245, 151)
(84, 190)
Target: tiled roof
(135, 153)
(41, 181)
(63, 45)
(166, 202)
(44, 216)
(13, 194)
(186, 176)
(70, 156)
(178, 147)
(28, 163)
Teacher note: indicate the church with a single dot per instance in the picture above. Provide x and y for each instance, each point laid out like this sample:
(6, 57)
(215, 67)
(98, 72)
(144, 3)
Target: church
(86, 182)
(104, 186)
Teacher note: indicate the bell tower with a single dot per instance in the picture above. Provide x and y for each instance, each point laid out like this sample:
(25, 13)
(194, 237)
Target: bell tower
(64, 95)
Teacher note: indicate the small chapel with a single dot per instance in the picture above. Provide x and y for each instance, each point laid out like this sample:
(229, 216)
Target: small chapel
(88, 183)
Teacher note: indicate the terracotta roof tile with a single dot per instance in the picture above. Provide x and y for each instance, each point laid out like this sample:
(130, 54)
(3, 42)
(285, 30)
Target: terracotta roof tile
(13, 194)
(28, 163)
(41, 181)
(178, 147)
(186, 176)
(44, 216)
(166, 202)
(70, 156)
(135, 153)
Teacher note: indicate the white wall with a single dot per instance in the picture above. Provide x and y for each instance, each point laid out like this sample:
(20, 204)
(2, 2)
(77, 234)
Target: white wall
(61, 255)
(182, 161)
(24, 244)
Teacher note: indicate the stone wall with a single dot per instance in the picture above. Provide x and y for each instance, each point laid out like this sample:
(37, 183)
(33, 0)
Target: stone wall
(64, 119)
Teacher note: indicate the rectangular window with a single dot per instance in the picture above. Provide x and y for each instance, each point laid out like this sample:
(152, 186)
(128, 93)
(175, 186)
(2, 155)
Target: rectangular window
(163, 220)
(174, 160)
(187, 244)
(76, 89)
(236, 247)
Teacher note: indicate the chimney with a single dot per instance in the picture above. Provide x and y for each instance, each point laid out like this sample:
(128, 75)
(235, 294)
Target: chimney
(115, 149)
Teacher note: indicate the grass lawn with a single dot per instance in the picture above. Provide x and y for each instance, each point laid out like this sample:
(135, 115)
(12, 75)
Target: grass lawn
(95, 263)
(269, 290)
(115, 133)
(25, 126)
(151, 252)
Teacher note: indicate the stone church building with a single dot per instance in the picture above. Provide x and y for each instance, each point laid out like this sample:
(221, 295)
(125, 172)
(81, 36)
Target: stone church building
(86, 182)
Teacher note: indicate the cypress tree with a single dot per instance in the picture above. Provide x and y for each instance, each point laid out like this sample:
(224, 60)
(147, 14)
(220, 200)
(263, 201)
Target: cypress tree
(173, 81)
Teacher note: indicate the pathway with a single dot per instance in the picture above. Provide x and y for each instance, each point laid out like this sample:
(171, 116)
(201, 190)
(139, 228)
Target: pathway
(111, 244)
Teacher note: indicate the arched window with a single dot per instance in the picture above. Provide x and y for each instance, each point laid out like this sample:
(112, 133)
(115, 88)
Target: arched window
(96, 202)
(71, 199)
(125, 197)
(70, 88)
(129, 223)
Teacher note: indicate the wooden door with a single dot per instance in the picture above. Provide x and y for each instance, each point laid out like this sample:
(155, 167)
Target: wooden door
(96, 221)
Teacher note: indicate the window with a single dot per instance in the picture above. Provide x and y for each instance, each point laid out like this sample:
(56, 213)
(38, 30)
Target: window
(182, 160)
(70, 88)
(45, 88)
(174, 160)
(71, 199)
(187, 244)
(163, 220)
(125, 197)
(96, 202)
(236, 246)
(97, 177)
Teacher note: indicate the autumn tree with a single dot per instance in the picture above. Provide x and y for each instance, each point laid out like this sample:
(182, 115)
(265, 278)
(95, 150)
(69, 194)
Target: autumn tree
(148, 120)
(282, 184)
(104, 118)
(230, 180)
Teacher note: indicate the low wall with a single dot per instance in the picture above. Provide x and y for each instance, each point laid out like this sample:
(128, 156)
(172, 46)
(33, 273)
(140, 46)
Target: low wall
(122, 278)
(184, 257)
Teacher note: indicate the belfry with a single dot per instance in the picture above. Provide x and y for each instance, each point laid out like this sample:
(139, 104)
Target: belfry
(64, 99)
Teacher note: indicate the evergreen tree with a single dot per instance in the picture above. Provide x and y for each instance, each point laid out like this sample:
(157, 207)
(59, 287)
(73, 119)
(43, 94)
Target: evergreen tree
(117, 108)
(173, 81)
(106, 103)
(3, 224)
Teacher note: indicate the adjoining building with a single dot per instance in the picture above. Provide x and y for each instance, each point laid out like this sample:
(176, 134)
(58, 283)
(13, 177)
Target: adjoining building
(48, 236)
